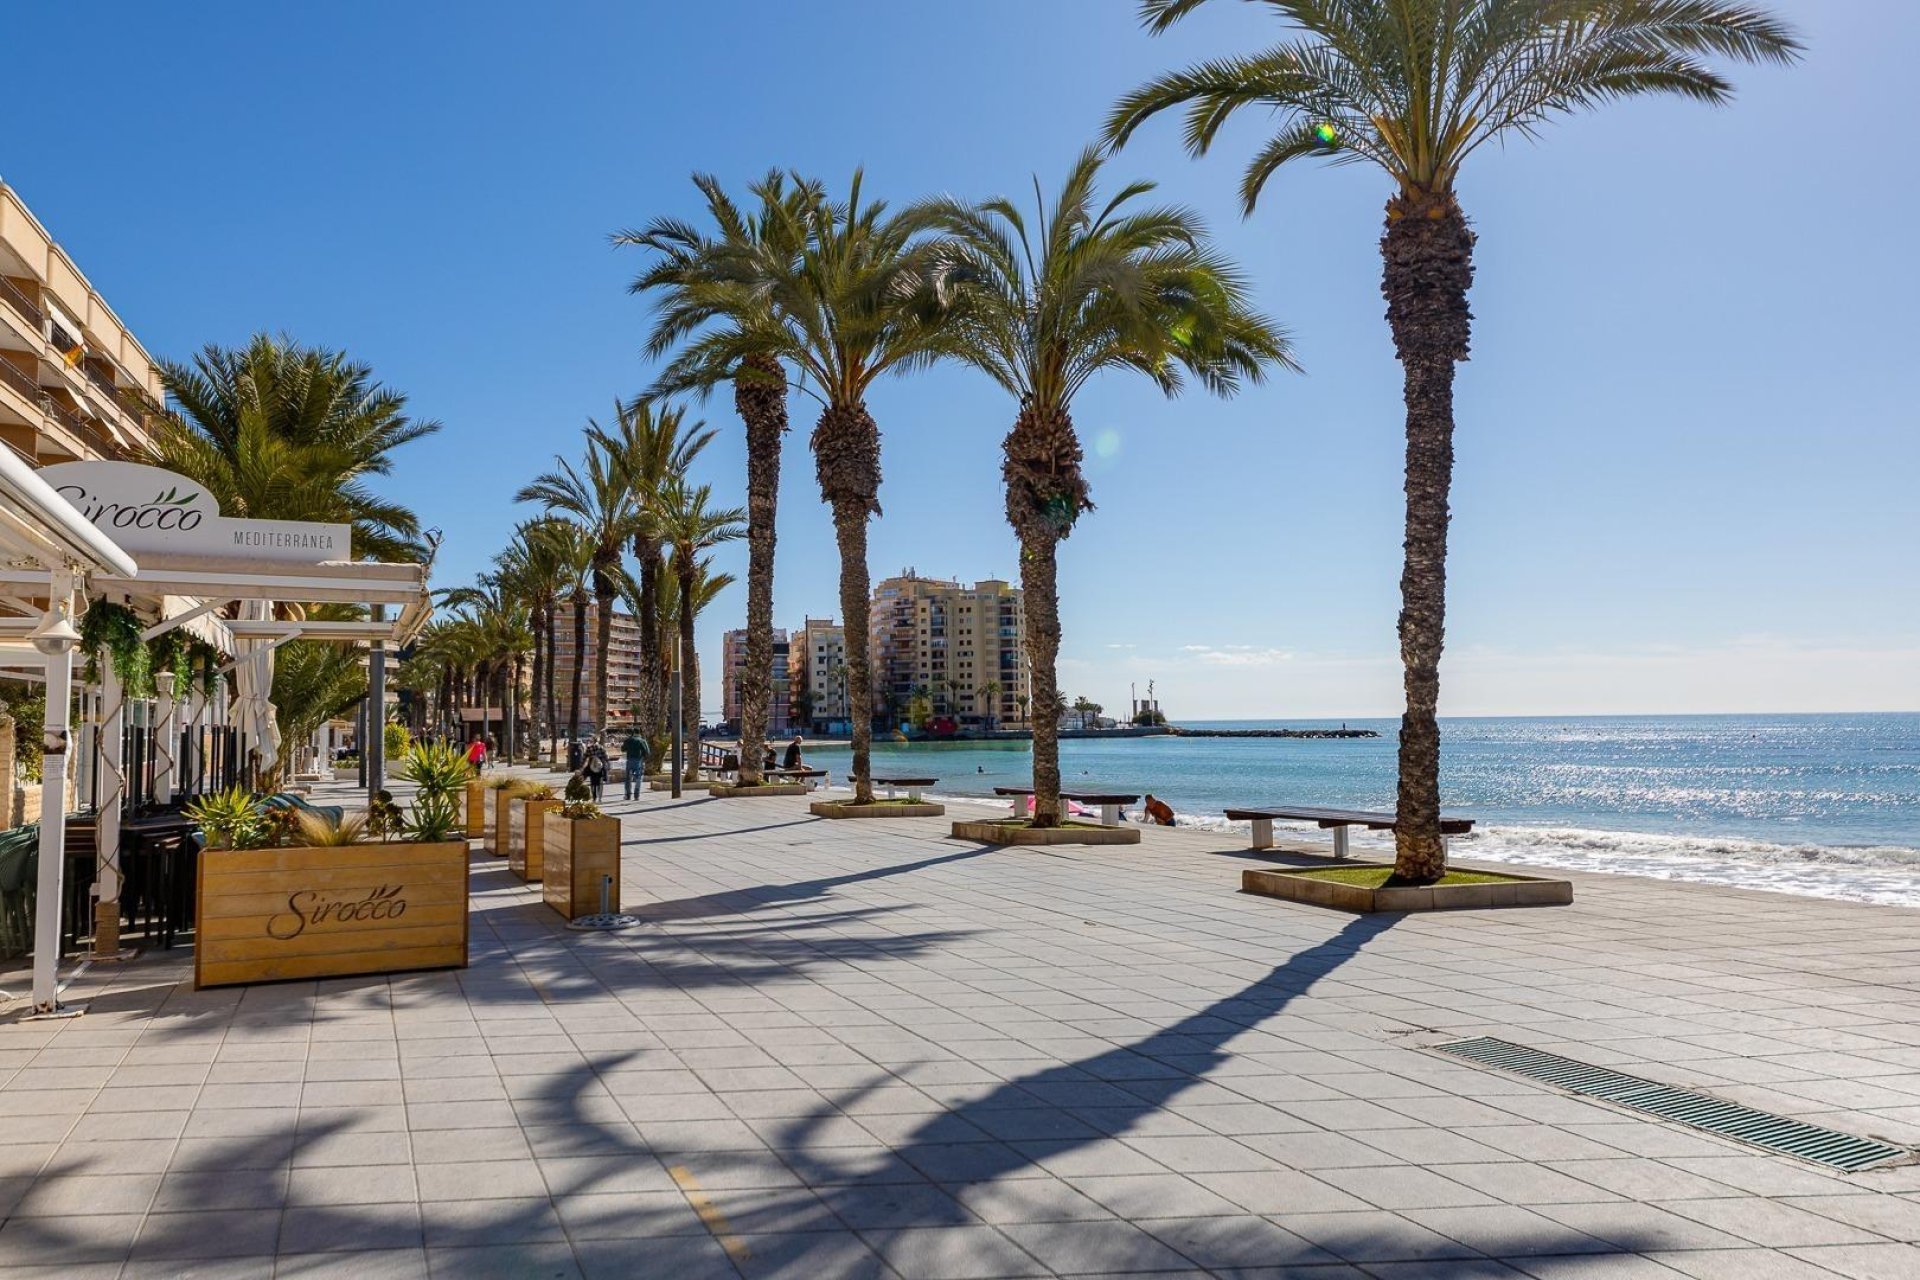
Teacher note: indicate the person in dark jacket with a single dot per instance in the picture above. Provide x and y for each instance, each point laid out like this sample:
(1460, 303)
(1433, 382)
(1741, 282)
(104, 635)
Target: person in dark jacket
(793, 760)
(595, 767)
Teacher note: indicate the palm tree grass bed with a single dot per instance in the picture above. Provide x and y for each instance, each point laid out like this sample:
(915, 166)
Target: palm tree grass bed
(897, 807)
(1382, 877)
(1374, 886)
(1022, 831)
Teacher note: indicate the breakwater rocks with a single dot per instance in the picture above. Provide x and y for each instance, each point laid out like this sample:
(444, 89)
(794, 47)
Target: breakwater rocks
(1273, 733)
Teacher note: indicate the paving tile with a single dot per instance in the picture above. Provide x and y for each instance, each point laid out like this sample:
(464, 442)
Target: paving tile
(1094, 1248)
(1403, 1187)
(1866, 1261)
(514, 1260)
(1220, 1242)
(209, 1233)
(1773, 1224)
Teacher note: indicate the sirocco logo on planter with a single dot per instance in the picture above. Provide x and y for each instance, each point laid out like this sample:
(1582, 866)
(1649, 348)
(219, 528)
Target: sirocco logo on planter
(311, 908)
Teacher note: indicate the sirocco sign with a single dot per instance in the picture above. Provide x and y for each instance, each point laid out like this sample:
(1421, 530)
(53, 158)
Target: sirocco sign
(147, 509)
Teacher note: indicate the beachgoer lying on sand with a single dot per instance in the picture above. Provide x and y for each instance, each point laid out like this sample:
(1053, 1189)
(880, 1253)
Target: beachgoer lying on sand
(1159, 811)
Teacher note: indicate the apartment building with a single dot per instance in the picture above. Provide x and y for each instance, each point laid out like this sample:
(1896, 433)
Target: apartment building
(817, 663)
(623, 671)
(733, 666)
(962, 647)
(73, 381)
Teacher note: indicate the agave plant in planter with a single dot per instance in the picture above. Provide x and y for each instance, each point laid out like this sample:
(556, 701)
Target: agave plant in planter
(439, 773)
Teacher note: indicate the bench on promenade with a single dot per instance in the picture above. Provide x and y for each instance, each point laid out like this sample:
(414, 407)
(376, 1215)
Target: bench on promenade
(1110, 803)
(912, 785)
(1335, 820)
(794, 775)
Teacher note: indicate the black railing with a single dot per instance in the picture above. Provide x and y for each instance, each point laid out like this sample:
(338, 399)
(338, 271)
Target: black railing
(15, 297)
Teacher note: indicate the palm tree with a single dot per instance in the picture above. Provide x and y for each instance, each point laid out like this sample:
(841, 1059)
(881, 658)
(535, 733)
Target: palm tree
(706, 586)
(989, 693)
(600, 497)
(692, 528)
(850, 307)
(1416, 87)
(1090, 287)
(653, 445)
(499, 624)
(277, 431)
(705, 280)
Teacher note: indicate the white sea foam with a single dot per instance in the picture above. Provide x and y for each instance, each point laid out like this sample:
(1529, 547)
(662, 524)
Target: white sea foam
(1885, 874)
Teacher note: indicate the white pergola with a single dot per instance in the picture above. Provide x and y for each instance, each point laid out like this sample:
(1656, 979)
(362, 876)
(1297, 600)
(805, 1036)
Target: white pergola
(187, 587)
(50, 551)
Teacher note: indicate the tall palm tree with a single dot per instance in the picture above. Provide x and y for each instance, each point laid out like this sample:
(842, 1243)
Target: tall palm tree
(277, 431)
(849, 308)
(1042, 309)
(692, 528)
(599, 496)
(706, 585)
(1416, 87)
(653, 445)
(498, 622)
(989, 693)
(703, 280)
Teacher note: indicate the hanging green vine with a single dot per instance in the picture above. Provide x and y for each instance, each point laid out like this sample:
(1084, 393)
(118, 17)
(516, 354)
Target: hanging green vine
(116, 630)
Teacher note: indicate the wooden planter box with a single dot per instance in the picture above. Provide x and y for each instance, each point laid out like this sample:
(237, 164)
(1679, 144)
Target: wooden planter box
(271, 914)
(577, 855)
(500, 824)
(476, 810)
(527, 854)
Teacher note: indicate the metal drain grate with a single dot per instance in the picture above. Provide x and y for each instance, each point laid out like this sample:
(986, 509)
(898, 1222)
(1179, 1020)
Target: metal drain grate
(1829, 1147)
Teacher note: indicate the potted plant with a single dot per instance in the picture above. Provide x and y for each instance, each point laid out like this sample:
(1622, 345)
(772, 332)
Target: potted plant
(581, 847)
(499, 817)
(526, 849)
(290, 892)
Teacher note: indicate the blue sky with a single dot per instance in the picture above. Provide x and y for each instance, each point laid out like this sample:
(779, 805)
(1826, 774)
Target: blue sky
(1686, 449)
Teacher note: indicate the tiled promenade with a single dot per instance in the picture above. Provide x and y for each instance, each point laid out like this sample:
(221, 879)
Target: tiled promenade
(845, 1049)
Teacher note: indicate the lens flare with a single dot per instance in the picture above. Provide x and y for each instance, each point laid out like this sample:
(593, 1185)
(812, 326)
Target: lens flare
(1328, 135)
(1107, 444)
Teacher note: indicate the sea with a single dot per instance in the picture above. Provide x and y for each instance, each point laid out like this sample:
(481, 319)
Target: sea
(1821, 805)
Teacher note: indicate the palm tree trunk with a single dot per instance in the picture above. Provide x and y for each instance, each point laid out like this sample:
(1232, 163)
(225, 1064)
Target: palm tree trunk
(653, 660)
(846, 447)
(603, 596)
(1428, 255)
(551, 692)
(689, 668)
(537, 707)
(1045, 495)
(760, 396)
(579, 663)
(513, 704)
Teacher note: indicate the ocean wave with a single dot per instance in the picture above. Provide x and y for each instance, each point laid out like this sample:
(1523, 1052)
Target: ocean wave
(1885, 874)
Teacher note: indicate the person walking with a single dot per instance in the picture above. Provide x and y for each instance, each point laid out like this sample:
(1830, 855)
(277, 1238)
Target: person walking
(477, 755)
(596, 770)
(635, 750)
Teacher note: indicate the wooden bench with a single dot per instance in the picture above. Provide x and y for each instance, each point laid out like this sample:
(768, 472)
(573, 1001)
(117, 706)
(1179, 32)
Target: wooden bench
(795, 775)
(1110, 804)
(912, 785)
(1335, 820)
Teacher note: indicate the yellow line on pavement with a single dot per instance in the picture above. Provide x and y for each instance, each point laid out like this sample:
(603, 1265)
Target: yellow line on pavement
(716, 1221)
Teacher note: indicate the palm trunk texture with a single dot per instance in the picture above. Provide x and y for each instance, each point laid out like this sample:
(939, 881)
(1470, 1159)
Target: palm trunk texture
(579, 663)
(760, 396)
(846, 448)
(653, 658)
(689, 671)
(1045, 495)
(604, 596)
(1428, 255)
(538, 708)
(551, 692)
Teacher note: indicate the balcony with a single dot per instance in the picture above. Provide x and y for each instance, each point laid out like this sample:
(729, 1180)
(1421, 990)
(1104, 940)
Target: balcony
(22, 305)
